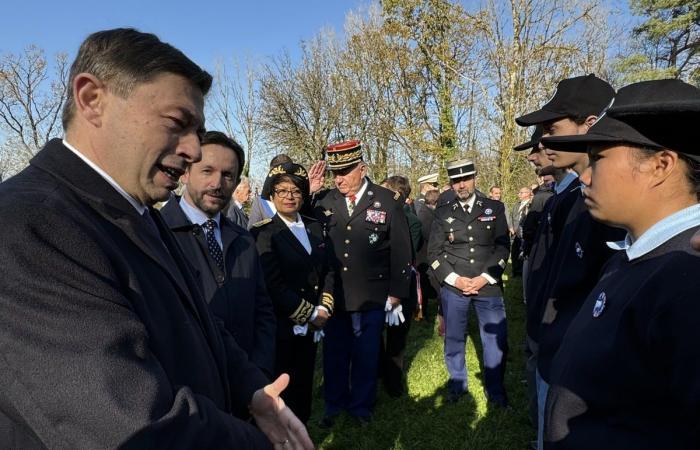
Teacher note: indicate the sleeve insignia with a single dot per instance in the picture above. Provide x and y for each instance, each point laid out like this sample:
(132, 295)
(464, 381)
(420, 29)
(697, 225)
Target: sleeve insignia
(262, 222)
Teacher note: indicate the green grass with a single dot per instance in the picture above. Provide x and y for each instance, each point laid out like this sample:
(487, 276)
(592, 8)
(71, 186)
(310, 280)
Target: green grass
(422, 419)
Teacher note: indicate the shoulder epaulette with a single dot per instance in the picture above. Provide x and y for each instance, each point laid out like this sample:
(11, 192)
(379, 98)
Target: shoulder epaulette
(262, 222)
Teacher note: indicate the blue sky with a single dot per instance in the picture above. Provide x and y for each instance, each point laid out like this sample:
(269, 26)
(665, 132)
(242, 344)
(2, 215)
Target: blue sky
(204, 30)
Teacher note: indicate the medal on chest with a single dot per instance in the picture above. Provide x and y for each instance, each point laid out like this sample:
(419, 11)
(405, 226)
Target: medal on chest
(373, 238)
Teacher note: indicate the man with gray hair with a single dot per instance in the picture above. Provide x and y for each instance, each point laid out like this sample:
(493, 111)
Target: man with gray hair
(105, 338)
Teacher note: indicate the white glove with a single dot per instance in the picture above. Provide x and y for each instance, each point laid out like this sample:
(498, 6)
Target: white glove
(394, 315)
(301, 330)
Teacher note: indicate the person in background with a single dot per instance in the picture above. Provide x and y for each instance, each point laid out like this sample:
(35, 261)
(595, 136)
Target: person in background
(391, 359)
(468, 248)
(235, 211)
(296, 259)
(516, 215)
(495, 193)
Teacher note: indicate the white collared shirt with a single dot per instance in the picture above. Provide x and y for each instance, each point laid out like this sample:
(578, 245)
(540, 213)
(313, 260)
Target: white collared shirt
(195, 215)
(568, 179)
(469, 204)
(659, 233)
(299, 231)
(141, 209)
(358, 194)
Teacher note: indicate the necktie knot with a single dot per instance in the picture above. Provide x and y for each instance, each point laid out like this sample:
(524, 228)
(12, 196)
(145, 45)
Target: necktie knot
(209, 225)
(214, 248)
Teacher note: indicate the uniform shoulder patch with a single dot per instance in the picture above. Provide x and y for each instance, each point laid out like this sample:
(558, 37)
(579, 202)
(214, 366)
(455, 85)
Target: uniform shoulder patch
(262, 222)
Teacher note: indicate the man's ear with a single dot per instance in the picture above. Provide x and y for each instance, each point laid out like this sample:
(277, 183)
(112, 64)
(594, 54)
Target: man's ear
(590, 120)
(89, 94)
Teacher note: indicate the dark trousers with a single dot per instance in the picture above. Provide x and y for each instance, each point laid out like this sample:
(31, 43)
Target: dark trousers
(296, 356)
(491, 314)
(516, 262)
(350, 360)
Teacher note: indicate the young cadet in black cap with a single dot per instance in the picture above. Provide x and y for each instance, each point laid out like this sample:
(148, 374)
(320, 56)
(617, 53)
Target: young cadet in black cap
(467, 250)
(627, 374)
(572, 110)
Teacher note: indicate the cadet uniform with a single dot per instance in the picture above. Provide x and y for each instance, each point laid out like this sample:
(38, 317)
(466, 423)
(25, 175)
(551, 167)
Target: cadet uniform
(627, 373)
(372, 250)
(470, 244)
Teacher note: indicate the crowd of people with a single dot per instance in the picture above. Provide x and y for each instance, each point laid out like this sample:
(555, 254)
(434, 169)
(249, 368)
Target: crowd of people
(197, 325)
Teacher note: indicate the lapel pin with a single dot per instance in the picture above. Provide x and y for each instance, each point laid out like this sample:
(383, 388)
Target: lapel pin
(579, 250)
(599, 305)
(488, 211)
(377, 205)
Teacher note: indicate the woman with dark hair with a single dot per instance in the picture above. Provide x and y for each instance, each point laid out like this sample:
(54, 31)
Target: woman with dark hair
(295, 257)
(627, 372)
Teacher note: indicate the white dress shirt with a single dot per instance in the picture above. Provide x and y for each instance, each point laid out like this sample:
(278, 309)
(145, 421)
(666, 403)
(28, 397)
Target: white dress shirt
(195, 215)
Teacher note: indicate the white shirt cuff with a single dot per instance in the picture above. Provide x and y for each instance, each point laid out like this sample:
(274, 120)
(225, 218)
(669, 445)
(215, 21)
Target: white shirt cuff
(489, 278)
(451, 279)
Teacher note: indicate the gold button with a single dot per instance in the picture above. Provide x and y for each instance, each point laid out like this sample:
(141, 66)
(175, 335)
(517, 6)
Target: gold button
(346, 255)
(471, 238)
(345, 269)
(316, 288)
(381, 275)
(469, 227)
(347, 241)
(471, 249)
(302, 289)
(471, 261)
(375, 229)
(488, 227)
(349, 228)
(451, 229)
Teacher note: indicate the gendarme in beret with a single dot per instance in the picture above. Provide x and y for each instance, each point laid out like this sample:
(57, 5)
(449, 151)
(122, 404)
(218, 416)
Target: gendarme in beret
(654, 114)
(460, 168)
(343, 154)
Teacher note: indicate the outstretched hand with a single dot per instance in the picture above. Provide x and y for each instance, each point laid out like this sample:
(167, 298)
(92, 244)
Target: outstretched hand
(276, 420)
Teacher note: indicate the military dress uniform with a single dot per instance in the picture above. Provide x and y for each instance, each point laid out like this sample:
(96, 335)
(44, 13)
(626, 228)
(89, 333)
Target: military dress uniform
(471, 244)
(372, 248)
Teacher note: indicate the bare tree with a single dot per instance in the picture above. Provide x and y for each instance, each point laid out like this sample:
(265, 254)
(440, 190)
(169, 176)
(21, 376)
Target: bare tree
(235, 105)
(30, 105)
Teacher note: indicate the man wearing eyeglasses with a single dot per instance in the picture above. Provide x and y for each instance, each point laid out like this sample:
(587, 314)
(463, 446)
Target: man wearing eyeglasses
(372, 245)
(223, 254)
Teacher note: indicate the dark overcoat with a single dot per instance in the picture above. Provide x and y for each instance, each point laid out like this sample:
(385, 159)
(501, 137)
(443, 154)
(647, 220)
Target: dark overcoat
(105, 339)
(237, 295)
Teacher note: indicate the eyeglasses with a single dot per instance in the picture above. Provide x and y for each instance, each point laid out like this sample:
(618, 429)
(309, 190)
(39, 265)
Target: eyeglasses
(296, 193)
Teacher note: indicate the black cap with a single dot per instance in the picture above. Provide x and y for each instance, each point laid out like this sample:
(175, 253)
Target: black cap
(575, 97)
(295, 172)
(534, 140)
(656, 114)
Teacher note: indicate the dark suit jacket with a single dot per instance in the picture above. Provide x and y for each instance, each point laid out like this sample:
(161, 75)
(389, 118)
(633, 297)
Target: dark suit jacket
(105, 339)
(297, 281)
(237, 215)
(237, 295)
(374, 258)
(470, 244)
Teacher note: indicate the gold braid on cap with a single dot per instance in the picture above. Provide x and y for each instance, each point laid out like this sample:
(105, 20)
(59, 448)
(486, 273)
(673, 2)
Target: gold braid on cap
(301, 173)
(276, 171)
(334, 158)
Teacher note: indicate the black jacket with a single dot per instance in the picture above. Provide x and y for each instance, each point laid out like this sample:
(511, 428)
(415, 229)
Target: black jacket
(105, 339)
(297, 281)
(237, 295)
(372, 248)
(470, 244)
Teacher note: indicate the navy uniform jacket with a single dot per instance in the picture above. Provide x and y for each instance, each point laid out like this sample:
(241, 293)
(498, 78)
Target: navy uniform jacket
(551, 226)
(105, 338)
(531, 221)
(237, 295)
(297, 281)
(372, 248)
(577, 261)
(630, 378)
(470, 244)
